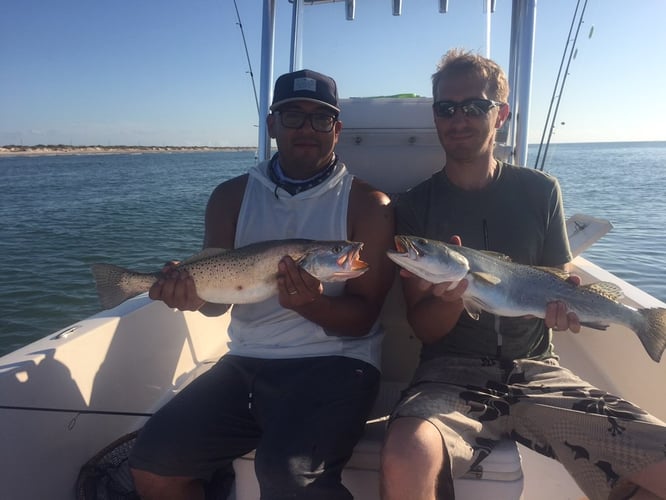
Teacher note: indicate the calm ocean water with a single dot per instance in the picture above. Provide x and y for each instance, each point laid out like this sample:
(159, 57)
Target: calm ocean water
(59, 214)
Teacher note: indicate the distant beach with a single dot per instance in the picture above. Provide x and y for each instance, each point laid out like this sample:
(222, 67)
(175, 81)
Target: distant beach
(48, 150)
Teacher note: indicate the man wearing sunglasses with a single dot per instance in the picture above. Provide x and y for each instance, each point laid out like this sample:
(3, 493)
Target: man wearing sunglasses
(486, 379)
(302, 372)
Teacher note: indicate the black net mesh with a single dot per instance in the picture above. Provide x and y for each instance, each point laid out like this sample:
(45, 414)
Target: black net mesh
(107, 476)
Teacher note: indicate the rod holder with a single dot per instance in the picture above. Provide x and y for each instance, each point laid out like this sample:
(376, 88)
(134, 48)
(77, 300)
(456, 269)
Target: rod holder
(350, 9)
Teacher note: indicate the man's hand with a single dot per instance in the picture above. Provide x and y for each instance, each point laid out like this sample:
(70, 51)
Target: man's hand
(176, 289)
(558, 318)
(448, 291)
(296, 287)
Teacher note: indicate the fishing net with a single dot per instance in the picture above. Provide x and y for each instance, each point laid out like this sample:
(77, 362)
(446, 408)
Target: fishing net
(106, 476)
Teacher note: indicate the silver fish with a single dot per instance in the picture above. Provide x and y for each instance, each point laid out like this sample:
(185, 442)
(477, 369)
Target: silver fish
(239, 276)
(505, 288)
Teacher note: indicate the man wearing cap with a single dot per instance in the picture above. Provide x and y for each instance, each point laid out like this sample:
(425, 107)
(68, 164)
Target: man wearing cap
(302, 370)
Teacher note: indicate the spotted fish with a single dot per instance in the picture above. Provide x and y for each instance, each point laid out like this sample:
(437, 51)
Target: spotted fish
(502, 287)
(239, 276)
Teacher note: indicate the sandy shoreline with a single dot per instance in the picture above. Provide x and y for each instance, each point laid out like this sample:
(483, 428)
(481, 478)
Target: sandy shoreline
(89, 150)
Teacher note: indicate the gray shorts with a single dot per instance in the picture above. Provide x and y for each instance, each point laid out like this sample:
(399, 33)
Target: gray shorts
(598, 437)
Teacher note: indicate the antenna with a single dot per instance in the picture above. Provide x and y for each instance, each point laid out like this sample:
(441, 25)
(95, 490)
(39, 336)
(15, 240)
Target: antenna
(572, 55)
(247, 55)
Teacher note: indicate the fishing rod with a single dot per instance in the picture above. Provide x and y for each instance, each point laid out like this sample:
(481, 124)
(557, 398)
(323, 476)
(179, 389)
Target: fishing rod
(572, 55)
(247, 55)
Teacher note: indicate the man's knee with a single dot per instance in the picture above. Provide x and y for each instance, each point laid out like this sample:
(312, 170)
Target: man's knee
(412, 458)
(411, 438)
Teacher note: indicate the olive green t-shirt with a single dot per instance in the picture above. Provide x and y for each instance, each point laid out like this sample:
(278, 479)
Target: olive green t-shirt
(519, 214)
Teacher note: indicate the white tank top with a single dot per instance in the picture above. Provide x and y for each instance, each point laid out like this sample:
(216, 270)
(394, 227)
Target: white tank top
(266, 329)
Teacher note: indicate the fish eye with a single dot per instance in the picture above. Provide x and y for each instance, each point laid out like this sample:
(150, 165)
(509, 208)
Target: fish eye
(337, 249)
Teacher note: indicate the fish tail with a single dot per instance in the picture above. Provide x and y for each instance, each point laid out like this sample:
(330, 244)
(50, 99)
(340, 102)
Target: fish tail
(652, 331)
(116, 284)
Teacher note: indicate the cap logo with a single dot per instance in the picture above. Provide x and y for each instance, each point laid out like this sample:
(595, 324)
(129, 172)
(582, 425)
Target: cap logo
(305, 84)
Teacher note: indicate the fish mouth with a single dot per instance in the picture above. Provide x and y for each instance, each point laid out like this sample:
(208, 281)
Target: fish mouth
(404, 246)
(351, 258)
(428, 260)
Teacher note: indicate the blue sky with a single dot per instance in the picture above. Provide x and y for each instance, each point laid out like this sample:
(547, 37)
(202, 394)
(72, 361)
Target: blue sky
(174, 72)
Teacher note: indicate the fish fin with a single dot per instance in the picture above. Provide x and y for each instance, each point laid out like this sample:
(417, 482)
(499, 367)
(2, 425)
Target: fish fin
(472, 309)
(116, 284)
(594, 325)
(652, 332)
(206, 252)
(558, 273)
(487, 278)
(496, 255)
(606, 289)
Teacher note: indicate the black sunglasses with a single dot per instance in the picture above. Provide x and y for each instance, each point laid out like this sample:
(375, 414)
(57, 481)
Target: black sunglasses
(321, 122)
(472, 108)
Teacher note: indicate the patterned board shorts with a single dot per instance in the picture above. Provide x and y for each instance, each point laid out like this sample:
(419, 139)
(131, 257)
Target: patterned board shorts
(598, 437)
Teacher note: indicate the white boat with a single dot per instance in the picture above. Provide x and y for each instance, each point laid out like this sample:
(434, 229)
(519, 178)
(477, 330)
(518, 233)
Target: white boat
(83, 389)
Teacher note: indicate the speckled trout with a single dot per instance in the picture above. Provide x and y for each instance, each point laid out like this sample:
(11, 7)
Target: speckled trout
(505, 288)
(239, 276)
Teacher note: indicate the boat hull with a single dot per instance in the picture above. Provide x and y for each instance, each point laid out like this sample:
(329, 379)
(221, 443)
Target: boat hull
(66, 397)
